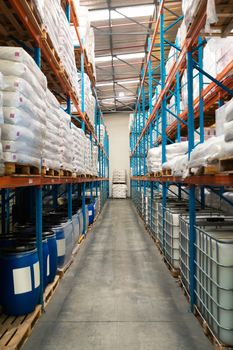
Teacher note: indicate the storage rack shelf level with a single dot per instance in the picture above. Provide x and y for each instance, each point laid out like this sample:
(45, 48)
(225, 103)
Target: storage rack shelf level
(150, 112)
(32, 36)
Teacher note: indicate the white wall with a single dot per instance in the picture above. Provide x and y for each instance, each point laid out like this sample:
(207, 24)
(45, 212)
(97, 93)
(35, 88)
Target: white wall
(119, 148)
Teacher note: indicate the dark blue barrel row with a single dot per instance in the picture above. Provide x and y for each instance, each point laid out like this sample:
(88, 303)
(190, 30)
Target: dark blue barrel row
(19, 263)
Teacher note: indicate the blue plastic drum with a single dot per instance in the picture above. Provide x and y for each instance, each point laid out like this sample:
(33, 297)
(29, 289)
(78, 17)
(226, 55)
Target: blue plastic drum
(20, 279)
(30, 239)
(61, 244)
(52, 262)
(80, 219)
(91, 213)
(75, 223)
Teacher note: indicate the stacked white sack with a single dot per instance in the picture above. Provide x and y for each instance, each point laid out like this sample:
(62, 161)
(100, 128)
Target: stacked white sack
(119, 176)
(119, 191)
(176, 158)
(88, 156)
(23, 93)
(66, 149)
(89, 100)
(190, 8)
(58, 28)
(52, 141)
(101, 133)
(86, 34)
(79, 150)
(1, 122)
(95, 160)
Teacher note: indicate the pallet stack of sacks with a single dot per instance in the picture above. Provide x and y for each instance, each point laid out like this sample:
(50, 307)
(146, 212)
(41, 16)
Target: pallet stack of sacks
(95, 160)
(119, 183)
(176, 159)
(66, 148)
(79, 150)
(58, 29)
(86, 34)
(24, 107)
(101, 133)
(88, 156)
(1, 122)
(52, 140)
(89, 100)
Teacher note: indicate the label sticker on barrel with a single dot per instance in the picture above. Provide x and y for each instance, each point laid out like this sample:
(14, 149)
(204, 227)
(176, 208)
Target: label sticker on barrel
(36, 269)
(90, 212)
(22, 280)
(61, 247)
(48, 265)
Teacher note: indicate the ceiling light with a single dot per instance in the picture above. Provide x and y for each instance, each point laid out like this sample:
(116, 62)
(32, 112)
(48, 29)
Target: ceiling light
(103, 59)
(124, 82)
(127, 56)
(131, 11)
(126, 98)
(104, 84)
(131, 55)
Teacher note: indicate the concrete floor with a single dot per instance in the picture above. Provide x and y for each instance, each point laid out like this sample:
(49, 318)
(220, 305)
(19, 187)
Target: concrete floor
(118, 295)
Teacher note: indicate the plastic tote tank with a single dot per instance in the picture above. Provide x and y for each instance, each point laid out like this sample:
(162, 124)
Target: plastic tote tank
(214, 280)
(204, 218)
(20, 279)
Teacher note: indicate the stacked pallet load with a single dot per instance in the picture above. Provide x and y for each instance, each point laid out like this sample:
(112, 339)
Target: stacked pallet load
(58, 30)
(24, 109)
(119, 184)
(1, 122)
(89, 100)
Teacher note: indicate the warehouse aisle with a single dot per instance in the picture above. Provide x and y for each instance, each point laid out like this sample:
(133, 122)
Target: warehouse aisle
(118, 295)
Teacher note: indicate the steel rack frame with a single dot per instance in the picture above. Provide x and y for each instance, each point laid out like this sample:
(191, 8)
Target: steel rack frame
(38, 186)
(151, 127)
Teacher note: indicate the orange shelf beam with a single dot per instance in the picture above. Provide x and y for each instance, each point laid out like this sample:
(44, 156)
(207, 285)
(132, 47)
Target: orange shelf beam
(210, 180)
(26, 181)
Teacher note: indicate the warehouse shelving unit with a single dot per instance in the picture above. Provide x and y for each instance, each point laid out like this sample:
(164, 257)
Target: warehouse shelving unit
(21, 20)
(150, 113)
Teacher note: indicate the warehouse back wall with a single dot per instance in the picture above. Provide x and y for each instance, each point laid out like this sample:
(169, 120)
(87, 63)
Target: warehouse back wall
(118, 129)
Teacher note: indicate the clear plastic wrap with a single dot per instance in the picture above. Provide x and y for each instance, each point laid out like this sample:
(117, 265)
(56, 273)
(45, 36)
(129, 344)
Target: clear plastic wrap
(207, 152)
(229, 110)
(228, 131)
(211, 14)
(12, 55)
(16, 84)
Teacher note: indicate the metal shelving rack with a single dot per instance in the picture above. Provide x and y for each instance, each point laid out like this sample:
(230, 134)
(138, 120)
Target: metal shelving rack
(149, 114)
(33, 37)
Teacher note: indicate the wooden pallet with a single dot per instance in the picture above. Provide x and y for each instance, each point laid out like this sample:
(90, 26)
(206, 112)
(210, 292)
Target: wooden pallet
(226, 165)
(50, 289)
(20, 169)
(167, 172)
(14, 331)
(49, 172)
(209, 333)
(66, 173)
(61, 271)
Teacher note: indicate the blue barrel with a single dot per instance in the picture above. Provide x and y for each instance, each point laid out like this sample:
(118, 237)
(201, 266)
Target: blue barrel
(29, 238)
(75, 223)
(87, 217)
(52, 263)
(61, 244)
(9, 240)
(69, 237)
(80, 219)
(91, 213)
(20, 279)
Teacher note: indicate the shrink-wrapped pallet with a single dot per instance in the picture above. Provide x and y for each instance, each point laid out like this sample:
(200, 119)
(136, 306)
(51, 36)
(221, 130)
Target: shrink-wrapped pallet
(23, 107)
(119, 191)
(66, 148)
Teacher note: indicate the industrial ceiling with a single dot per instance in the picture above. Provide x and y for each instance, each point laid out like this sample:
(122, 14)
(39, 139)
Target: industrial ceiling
(121, 31)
